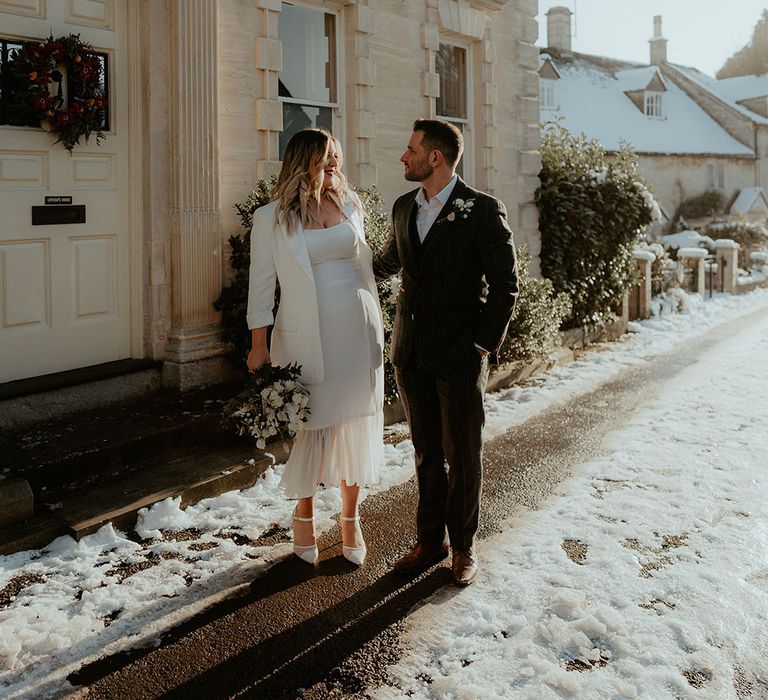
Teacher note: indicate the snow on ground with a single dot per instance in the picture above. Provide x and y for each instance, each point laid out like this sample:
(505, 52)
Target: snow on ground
(645, 576)
(72, 602)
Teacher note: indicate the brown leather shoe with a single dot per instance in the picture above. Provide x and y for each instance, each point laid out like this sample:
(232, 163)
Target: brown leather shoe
(464, 566)
(420, 558)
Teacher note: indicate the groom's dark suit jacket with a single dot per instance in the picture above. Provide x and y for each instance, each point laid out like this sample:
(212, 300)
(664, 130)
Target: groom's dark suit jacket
(459, 286)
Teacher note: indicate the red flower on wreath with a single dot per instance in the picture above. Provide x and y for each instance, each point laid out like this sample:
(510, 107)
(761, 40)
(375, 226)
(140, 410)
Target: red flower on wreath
(38, 65)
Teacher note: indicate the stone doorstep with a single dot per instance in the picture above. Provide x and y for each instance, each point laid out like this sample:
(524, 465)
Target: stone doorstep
(153, 445)
(192, 478)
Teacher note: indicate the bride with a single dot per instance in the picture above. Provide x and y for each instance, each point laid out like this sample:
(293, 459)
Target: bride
(310, 239)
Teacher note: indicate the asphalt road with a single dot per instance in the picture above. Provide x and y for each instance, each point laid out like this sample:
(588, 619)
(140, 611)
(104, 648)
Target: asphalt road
(331, 631)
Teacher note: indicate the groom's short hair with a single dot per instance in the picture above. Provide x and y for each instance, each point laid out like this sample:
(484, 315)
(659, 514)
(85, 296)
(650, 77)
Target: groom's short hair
(441, 136)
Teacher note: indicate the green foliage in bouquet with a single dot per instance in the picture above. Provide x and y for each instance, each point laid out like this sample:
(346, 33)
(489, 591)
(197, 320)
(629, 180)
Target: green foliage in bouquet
(534, 331)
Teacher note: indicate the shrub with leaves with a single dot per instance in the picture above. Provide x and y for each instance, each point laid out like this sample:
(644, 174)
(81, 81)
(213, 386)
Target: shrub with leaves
(709, 203)
(592, 209)
(535, 328)
(750, 235)
(377, 229)
(233, 300)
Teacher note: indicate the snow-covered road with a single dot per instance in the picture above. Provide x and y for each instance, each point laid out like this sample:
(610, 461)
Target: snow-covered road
(645, 576)
(653, 507)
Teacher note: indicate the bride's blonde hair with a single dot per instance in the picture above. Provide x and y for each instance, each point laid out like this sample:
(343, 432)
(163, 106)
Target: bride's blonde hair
(299, 188)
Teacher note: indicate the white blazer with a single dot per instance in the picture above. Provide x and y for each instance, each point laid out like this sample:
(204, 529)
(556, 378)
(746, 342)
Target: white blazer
(276, 254)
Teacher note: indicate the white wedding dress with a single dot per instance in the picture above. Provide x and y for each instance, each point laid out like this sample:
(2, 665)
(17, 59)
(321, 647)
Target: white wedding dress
(343, 438)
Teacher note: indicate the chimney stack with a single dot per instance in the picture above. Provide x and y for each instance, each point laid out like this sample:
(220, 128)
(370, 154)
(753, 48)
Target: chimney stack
(559, 29)
(658, 44)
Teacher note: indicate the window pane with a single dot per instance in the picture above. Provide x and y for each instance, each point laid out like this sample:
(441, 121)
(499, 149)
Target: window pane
(309, 54)
(297, 117)
(460, 165)
(547, 94)
(451, 65)
(12, 111)
(103, 59)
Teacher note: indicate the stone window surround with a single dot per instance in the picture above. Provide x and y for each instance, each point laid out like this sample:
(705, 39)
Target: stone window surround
(461, 24)
(336, 106)
(355, 84)
(466, 124)
(547, 94)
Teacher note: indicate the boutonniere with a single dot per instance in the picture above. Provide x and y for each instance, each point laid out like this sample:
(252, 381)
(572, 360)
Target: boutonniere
(462, 208)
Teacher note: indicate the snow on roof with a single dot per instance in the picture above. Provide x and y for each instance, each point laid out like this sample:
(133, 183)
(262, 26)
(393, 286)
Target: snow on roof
(744, 87)
(590, 96)
(637, 78)
(747, 199)
(731, 90)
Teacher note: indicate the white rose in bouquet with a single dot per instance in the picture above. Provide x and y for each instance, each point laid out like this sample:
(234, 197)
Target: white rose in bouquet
(275, 404)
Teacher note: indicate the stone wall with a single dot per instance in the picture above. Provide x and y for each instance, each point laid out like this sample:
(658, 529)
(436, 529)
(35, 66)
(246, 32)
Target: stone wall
(505, 136)
(674, 178)
(215, 132)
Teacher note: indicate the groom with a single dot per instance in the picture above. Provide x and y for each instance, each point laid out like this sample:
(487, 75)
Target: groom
(458, 291)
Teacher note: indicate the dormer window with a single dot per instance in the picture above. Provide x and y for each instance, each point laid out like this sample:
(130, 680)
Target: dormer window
(547, 95)
(548, 75)
(654, 104)
(646, 88)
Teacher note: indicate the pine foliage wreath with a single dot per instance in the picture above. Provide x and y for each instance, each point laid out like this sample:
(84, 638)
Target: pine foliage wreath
(37, 64)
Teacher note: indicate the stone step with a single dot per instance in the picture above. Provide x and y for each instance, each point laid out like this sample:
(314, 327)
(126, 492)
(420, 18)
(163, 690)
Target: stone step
(192, 478)
(60, 455)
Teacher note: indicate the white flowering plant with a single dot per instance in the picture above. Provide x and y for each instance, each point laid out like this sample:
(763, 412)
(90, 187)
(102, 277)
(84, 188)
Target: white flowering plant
(273, 405)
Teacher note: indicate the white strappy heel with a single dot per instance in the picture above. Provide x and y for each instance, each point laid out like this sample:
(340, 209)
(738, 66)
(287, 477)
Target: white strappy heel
(308, 553)
(354, 554)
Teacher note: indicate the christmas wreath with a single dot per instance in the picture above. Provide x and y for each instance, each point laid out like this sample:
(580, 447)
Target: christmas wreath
(38, 66)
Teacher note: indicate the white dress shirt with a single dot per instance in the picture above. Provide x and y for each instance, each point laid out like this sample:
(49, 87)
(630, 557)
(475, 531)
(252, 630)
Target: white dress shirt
(429, 210)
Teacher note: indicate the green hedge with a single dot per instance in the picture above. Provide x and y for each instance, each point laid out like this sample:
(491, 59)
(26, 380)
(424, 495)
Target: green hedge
(535, 329)
(592, 209)
(709, 203)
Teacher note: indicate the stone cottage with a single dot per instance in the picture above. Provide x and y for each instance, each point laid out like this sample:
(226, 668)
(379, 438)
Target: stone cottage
(692, 133)
(202, 97)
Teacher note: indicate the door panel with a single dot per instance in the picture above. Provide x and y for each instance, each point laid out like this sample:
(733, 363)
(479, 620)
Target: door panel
(64, 289)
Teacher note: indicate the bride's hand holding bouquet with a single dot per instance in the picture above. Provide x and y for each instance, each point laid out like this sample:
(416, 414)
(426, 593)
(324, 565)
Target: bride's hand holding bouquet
(275, 404)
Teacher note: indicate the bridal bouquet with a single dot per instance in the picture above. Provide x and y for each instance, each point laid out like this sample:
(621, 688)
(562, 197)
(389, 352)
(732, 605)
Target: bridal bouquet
(274, 404)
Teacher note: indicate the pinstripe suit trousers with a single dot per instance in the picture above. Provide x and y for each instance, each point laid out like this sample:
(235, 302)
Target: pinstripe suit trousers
(446, 417)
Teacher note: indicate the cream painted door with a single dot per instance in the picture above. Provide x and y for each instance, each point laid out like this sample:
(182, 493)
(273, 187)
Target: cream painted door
(64, 289)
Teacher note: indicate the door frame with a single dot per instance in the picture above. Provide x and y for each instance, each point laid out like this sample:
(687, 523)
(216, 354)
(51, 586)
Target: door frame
(135, 190)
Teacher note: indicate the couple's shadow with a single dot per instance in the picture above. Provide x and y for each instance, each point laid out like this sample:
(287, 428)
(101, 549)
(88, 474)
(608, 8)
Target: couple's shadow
(318, 618)
(294, 627)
